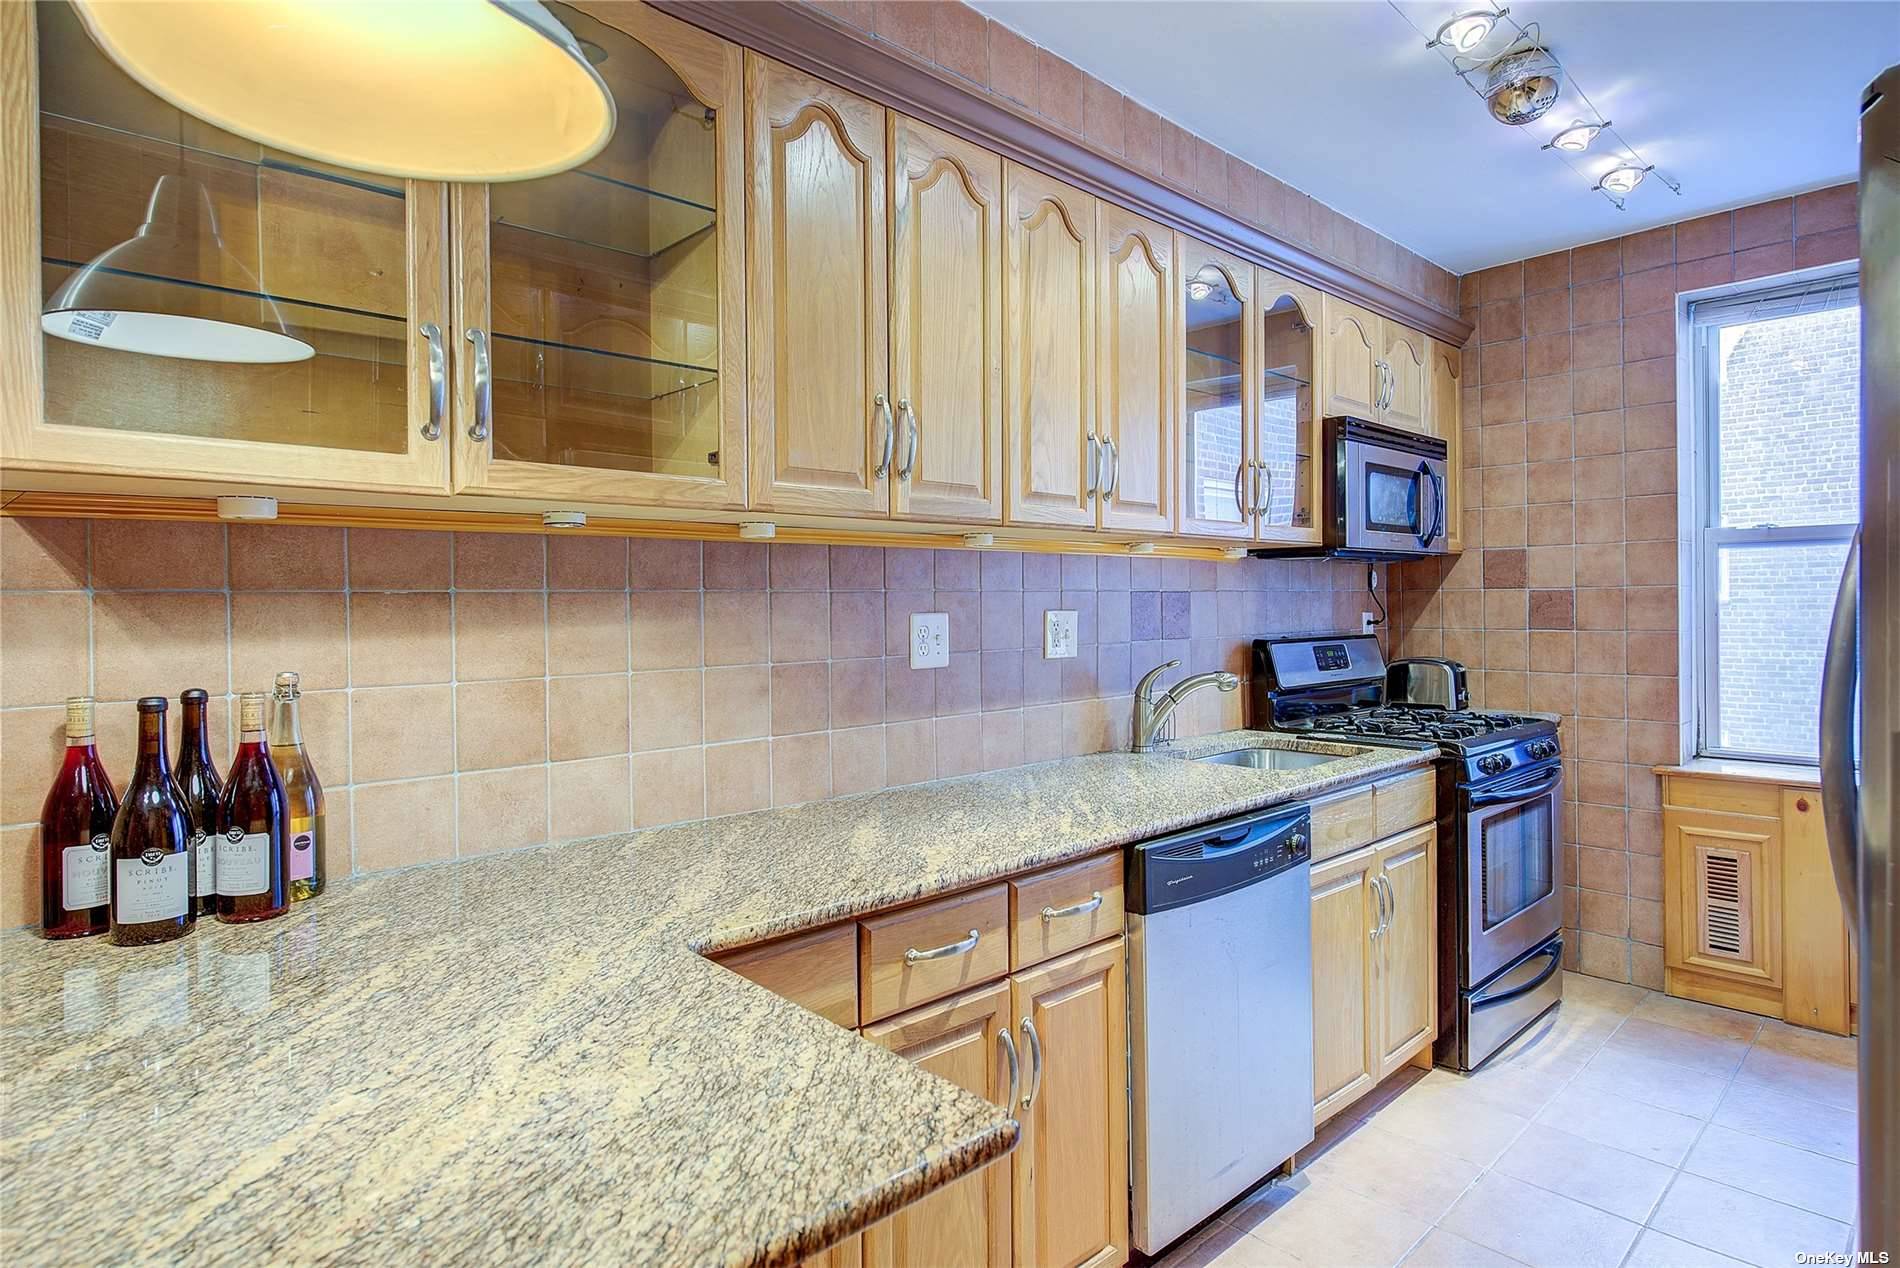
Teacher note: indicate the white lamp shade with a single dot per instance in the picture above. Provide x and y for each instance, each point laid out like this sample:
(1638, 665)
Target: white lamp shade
(449, 90)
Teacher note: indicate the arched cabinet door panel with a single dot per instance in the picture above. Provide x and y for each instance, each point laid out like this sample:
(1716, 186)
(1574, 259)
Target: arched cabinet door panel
(1134, 356)
(1355, 384)
(1403, 351)
(1216, 370)
(1288, 467)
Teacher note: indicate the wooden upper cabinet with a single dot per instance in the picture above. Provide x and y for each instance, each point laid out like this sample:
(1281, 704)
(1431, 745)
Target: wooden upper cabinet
(213, 309)
(1402, 349)
(1049, 350)
(1408, 949)
(1217, 369)
(967, 1222)
(1443, 419)
(1137, 404)
(1071, 1165)
(946, 324)
(611, 297)
(823, 427)
(1350, 359)
(1286, 492)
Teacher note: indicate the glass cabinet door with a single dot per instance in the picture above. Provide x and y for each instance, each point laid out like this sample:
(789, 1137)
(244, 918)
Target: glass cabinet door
(1217, 364)
(197, 289)
(1288, 474)
(600, 329)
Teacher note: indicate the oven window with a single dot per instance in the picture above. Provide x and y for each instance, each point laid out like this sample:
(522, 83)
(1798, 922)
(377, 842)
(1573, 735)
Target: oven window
(1517, 849)
(1391, 499)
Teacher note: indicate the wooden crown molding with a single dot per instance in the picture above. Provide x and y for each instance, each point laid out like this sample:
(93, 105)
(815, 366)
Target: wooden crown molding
(801, 36)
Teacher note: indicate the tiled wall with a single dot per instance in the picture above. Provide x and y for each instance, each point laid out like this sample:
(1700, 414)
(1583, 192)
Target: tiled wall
(998, 62)
(1565, 599)
(477, 692)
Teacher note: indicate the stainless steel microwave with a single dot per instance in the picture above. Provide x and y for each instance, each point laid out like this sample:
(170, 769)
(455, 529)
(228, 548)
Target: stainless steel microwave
(1386, 495)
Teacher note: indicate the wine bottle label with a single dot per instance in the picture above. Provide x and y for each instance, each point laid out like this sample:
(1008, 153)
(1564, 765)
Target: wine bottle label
(204, 866)
(303, 849)
(251, 711)
(243, 863)
(78, 717)
(85, 874)
(153, 886)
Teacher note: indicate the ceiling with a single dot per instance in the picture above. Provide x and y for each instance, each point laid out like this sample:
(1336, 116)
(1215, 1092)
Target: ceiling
(1737, 101)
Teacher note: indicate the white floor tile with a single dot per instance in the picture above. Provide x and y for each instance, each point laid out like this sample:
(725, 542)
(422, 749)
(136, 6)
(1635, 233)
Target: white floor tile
(1415, 1178)
(1659, 1250)
(1707, 1054)
(1742, 1225)
(1813, 1182)
(1325, 1222)
(1538, 1227)
(1809, 1125)
(1596, 1175)
(1617, 997)
(1444, 1249)
(1659, 1135)
(1707, 1019)
(1444, 1119)
(1793, 1074)
(1836, 1049)
(1622, 1072)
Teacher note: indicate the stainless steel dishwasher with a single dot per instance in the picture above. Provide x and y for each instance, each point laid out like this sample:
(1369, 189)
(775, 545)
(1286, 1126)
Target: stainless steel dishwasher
(1220, 1006)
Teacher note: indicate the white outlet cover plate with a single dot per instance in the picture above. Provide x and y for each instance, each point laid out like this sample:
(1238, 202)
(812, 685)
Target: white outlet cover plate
(929, 640)
(1058, 634)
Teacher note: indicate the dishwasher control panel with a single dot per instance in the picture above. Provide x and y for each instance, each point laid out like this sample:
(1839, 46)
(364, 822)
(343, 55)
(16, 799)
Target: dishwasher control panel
(1216, 858)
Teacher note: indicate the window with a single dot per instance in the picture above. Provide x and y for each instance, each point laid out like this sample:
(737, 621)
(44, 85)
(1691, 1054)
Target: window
(1776, 383)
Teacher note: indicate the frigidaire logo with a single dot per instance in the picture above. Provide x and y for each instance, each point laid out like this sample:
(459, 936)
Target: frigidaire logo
(101, 842)
(152, 856)
(234, 834)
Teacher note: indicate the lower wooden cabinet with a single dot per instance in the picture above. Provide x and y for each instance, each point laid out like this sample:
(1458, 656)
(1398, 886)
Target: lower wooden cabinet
(1375, 989)
(1071, 1166)
(967, 1222)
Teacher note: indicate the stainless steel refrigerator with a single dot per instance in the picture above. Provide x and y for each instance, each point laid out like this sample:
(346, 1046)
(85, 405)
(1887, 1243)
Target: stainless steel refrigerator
(1859, 758)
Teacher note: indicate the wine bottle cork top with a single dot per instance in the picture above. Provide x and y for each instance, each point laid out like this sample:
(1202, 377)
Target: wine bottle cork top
(152, 704)
(287, 683)
(194, 695)
(78, 717)
(251, 711)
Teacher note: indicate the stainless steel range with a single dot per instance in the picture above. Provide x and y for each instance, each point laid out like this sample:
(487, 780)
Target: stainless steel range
(1500, 817)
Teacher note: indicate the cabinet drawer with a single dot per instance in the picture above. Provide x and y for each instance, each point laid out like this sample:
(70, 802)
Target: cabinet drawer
(1343, 820)
(1064, 908)
(816, 970)
(1405, 801)
(928, 951)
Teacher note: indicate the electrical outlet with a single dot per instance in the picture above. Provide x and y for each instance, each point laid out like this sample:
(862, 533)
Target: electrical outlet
(1058, 634)
(1366, 623)
(929, 640)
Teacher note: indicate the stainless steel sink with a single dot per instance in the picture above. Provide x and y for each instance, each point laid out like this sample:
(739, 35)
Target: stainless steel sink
(1273, 758)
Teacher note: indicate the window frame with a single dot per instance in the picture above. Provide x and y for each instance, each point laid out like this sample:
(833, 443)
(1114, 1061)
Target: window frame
(1704, 318)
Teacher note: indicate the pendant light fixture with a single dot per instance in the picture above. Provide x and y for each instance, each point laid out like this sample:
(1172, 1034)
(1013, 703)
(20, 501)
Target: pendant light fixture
(451, 90)
(1576, 138)
(128, 298)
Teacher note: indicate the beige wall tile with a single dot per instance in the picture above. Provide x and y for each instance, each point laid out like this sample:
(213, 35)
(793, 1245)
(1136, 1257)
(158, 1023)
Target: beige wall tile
(401, 732)
(44, 554)
(399, 638)
(34, 744)
(801, 698)
(500, 635)
(801, 626)
(501, 723)
(910, 752)
(400, 824)
(668, 786)
(857, 760)
(20, 898)
(47, 637)
(587, 633)
(590, 798)
(286, 557)
(738, 702)
(659, 564)
(148, 555)
(738, 777)
(667, 708)
(500, 561)
(399, 559)
(587, 716)
(587, 563)
(666, 629)
(801, 768)
(301, 631)
(501, 810)
(156, 644)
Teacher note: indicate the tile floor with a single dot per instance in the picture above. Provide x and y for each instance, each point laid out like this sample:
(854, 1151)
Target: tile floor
(1627, 1129)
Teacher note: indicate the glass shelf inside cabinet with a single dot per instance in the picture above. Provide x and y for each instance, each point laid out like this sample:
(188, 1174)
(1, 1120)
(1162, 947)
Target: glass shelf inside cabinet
(597, 210)
(1211, 371)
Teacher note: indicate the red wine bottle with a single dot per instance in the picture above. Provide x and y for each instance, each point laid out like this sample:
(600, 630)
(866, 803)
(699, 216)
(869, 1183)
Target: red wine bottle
(254, 822)
(76, 836)
(151, 844)
(201, 788)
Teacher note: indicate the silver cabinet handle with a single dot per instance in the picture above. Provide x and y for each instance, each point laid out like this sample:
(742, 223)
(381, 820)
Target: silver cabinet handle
(1112, 459)
(883, 407)
(1378, 896)
(961, 946)
(1015, 1067)
(484, 385)
(1840, 798)
(1035, 1061)
(1094, 471)
(909, 416)
(1391, 903)
(438, 381)
(1239, 505)
(1263, 501)
(1093, 901)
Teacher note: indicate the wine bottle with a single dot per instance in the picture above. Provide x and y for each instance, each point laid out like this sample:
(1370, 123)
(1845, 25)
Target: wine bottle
(302, 789)
(253, 818)
(76, 836)
(151, 844)
(201, 788)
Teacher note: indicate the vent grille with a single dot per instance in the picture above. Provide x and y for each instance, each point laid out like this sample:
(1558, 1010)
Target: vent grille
(1725, 905)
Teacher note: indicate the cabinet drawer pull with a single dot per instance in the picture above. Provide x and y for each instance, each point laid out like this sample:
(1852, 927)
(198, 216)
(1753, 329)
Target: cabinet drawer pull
(438, 381)
(1035, 1061)
(1083, 908)
(1112, 459)
(889, 443)
(1095, 464)
(1015, 1066)
(1240, 505)
(484, 385)
(1263, 499)
(963, 946)
(906, 412)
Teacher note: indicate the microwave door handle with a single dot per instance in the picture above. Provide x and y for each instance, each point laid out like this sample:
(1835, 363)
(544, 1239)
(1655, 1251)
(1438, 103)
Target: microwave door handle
(1438, 507)
(1524, 792)
(1840, 797)
(1424, 474)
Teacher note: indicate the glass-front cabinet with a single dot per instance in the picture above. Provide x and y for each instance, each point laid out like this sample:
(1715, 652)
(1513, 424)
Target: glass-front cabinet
(600, 354)
(1214, 336)
(1287, 468)
(208, 308)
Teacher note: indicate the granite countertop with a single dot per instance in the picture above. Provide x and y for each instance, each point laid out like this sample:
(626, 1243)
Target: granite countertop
(527, 1055)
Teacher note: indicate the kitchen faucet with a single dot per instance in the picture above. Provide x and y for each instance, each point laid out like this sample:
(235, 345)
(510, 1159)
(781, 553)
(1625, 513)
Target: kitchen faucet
(1152, 729)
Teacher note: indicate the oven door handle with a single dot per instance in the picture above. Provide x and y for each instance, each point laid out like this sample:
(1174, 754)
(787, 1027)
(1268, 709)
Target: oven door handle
(1554, 952)
(1518, 792)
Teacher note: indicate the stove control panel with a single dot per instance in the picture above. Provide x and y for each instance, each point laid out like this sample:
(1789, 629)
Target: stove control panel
(1541, 749)
(1495, 763)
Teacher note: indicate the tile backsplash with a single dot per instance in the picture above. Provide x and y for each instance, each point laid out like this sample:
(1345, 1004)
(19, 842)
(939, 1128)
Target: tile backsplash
(474, 692)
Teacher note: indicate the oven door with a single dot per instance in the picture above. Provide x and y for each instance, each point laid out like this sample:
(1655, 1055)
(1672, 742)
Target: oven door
(1514, 869)
(1394, 499)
